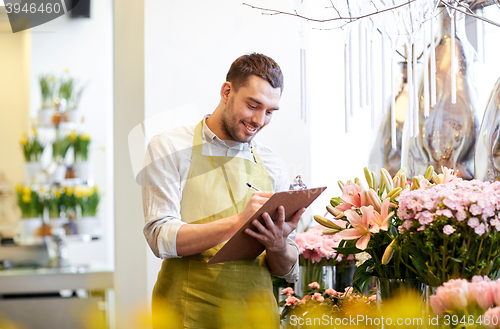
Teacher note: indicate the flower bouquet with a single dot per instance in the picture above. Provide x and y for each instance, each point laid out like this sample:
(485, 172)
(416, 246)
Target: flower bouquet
(460, 303)
(429, 229)
(321, 304)
(366, 223)
(451, 230)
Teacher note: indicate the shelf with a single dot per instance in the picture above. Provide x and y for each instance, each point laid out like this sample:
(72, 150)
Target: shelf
(22, 280)
(40, 241)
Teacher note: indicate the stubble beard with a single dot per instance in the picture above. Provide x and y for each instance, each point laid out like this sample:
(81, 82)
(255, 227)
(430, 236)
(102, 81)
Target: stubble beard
(230, 125)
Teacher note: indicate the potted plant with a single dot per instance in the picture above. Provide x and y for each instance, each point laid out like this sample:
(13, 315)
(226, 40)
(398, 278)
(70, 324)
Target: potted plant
(53, 201)
(31, 208)
(80, 143)
(71, 94)
(87, 200)
(32, 150)
(59, 150)
(68, 202)
(73, 110)
(47, 87)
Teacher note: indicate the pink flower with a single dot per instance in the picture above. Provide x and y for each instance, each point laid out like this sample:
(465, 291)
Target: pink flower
(288, 290)
(353, 196)
(484, 295)
(331, 292)
(362, 228)
(307, 253)
(348, 291)
(317, 296)
(372, 298)
(291, 300)
(312, 240)
(473, 222)
(314, 285)
(457, 292)
(495, 287)
(316, 257)
(454, 294)
(480, 229)
(475, 209)
(382, 219)
(461, 215)
(448, 229)
(436, 305)
(478, 278)
(444, 298)
(300, 241)
(491, 318)
(327, 250)
(448, 175)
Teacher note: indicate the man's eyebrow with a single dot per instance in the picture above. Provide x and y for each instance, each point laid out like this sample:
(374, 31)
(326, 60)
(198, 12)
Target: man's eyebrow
(260, 103)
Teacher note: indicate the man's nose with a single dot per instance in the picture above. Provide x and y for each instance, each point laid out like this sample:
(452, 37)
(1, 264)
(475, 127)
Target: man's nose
(259, 118)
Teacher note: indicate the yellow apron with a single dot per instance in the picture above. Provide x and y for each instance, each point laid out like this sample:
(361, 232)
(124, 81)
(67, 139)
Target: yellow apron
(201, 295)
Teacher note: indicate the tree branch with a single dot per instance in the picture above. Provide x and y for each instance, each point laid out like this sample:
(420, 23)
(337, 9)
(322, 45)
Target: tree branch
(278, 12)
(470, 14)
(468, 11)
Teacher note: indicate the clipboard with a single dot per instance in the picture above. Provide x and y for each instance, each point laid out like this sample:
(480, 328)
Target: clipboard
(242, 245)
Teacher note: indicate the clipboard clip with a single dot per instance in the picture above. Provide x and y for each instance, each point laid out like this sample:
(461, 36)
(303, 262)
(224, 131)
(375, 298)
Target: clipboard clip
(298, 184)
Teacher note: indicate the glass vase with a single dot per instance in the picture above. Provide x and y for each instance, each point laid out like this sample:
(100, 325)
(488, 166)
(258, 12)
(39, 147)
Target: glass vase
(322, 274)
(487, 155)
(388, 288)
(343, 277)
(447, 137)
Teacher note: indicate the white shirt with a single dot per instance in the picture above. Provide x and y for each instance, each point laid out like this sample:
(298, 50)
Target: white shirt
(166, 168)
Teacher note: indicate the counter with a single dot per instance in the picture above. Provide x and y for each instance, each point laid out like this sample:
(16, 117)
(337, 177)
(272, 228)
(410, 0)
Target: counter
(53, 298)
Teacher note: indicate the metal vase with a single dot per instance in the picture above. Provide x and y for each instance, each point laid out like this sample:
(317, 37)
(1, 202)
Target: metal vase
(447, 137)
(487, 157)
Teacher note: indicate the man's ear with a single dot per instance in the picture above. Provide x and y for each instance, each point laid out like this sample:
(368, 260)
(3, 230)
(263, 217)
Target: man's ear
(225, 90)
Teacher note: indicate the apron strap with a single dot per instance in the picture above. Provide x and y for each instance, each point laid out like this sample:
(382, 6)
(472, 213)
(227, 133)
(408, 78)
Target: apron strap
(197, 139)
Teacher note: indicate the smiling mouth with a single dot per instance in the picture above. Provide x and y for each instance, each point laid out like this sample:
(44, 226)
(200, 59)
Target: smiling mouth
(250, 129)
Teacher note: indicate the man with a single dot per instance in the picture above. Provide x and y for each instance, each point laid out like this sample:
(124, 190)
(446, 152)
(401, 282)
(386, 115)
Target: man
(195, 198)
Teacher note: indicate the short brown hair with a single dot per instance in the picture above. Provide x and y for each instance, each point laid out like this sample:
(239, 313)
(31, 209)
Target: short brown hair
(255, 64)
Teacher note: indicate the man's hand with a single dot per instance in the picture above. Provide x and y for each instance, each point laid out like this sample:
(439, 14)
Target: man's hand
(274, 234)
(254, 204)
(280, 256)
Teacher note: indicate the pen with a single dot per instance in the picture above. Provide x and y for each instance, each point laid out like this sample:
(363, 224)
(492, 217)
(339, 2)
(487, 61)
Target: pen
(252, 187)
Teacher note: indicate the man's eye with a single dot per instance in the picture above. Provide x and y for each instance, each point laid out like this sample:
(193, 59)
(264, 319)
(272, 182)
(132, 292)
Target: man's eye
(252, 106)
(269, 112)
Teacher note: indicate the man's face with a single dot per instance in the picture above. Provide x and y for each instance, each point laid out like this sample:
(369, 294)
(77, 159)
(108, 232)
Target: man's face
(249, 109)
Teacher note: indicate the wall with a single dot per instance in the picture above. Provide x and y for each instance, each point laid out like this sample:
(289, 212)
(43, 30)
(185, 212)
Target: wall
(14, 100)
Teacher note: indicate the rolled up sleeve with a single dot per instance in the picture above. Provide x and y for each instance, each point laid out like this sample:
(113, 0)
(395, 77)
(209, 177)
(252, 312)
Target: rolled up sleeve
(161, 195)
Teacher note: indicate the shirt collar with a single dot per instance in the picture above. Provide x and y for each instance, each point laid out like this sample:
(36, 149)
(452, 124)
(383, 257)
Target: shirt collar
(210, 136)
